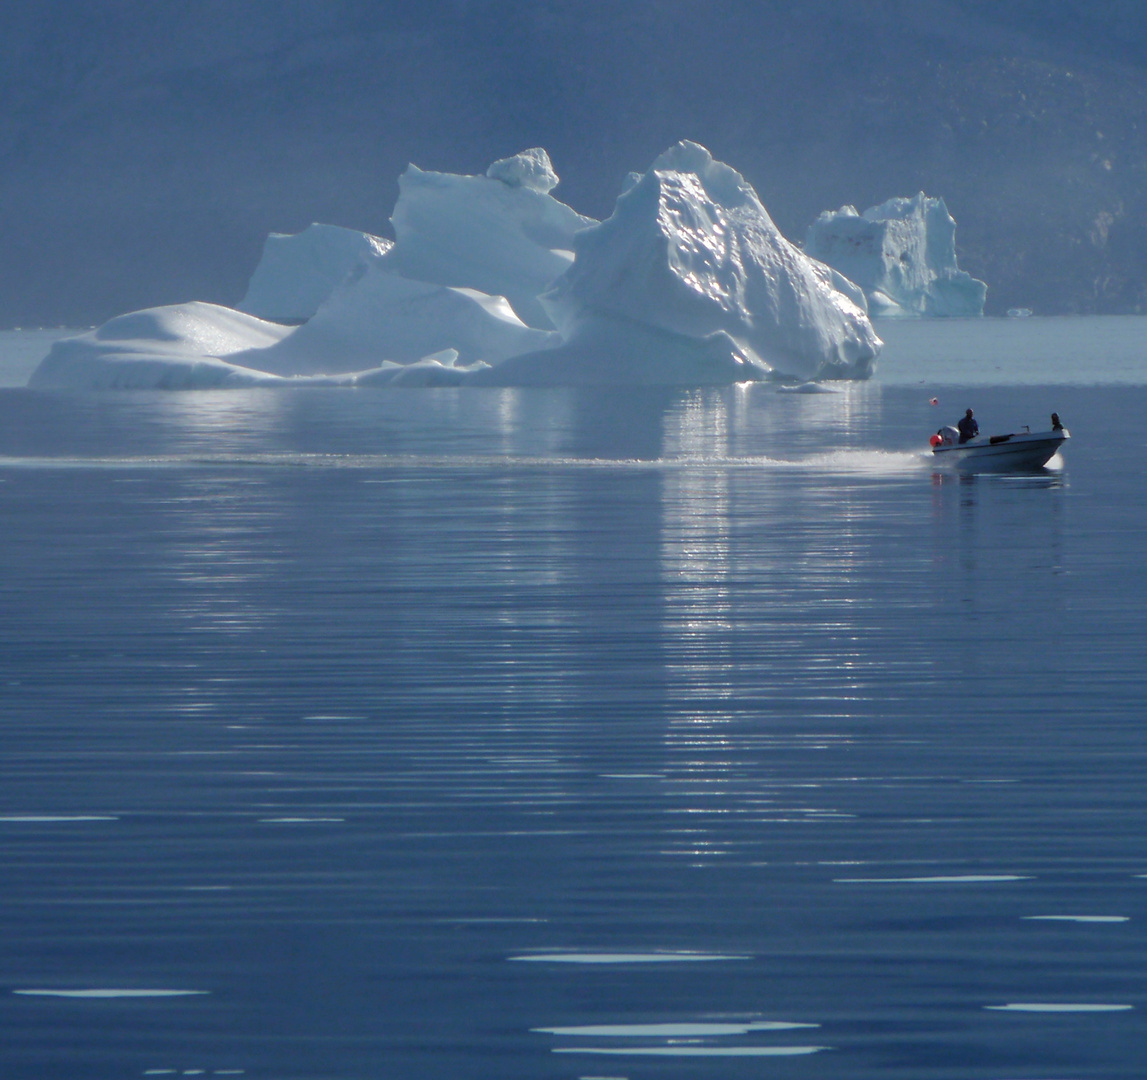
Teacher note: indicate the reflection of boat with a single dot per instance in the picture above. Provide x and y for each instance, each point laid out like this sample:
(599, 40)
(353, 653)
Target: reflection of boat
(1019, 450)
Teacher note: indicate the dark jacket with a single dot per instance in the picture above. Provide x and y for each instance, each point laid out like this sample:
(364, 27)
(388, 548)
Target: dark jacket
(968, 428)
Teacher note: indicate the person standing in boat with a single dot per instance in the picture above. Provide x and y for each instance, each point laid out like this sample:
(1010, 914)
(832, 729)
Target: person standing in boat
(968, 427)
(1056, 424)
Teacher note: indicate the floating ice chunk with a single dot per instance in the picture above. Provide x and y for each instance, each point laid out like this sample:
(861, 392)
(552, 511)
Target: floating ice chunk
(530, 169)
(690, 251)
(902, 253)
(379, 316)
(298, 272)
(482, 233)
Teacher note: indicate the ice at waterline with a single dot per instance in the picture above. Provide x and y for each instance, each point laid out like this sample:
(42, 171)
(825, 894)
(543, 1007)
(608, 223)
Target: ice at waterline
(493, 281)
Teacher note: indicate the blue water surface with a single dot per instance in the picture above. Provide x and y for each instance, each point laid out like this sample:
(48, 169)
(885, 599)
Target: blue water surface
(560, 734)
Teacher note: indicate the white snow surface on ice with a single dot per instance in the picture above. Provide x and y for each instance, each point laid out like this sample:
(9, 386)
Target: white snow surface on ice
(688, 282)
(530, 169)
(379, 316)
(902, 253)
(691, 252)
(174, 347)
(483, 233)
(298, 272)
(187, 346)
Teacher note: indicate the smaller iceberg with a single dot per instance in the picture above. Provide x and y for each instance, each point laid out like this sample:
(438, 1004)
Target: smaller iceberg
(299, 271)
(902, 254)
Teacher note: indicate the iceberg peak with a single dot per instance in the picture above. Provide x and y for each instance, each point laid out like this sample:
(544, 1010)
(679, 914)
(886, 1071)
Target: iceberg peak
(722, 183)
(530, 169)
(691, 251)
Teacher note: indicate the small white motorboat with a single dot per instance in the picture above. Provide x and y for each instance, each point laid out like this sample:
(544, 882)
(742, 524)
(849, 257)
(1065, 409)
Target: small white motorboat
(1019, 450)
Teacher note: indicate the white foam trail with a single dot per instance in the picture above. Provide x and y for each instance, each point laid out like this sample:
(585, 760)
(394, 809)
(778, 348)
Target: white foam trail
(693, 1051)
(680, 1031)
(947, 879)
(625, 958)
(1078, 918)
(852, 461)
(1051, 1007)
(111, 993)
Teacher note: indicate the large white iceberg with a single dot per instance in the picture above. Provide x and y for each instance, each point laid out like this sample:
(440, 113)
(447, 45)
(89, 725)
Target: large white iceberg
(503, 234)
(691, 265)
(902, 253)
(299, 271)
(688, 282)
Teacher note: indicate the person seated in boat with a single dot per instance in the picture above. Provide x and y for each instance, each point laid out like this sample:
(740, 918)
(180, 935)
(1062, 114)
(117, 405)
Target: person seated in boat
(968, 427)
(1056, 424)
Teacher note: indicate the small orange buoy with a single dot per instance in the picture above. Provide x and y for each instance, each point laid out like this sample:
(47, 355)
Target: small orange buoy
(935, 440)
(934, 401)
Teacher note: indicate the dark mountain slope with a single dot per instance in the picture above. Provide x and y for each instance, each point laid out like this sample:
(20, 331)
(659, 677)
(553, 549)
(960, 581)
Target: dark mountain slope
(147, 148)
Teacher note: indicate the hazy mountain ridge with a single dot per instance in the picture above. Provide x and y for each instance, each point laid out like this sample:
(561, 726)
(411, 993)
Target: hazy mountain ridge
(145, 157)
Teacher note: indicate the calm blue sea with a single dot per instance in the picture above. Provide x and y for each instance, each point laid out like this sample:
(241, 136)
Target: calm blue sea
(555, 734)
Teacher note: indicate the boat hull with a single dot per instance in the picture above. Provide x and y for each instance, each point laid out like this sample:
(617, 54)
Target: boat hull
(1021, 451)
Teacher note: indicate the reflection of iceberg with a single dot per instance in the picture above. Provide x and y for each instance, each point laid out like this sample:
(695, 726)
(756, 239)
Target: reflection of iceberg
(688, 282)
(902, 253)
